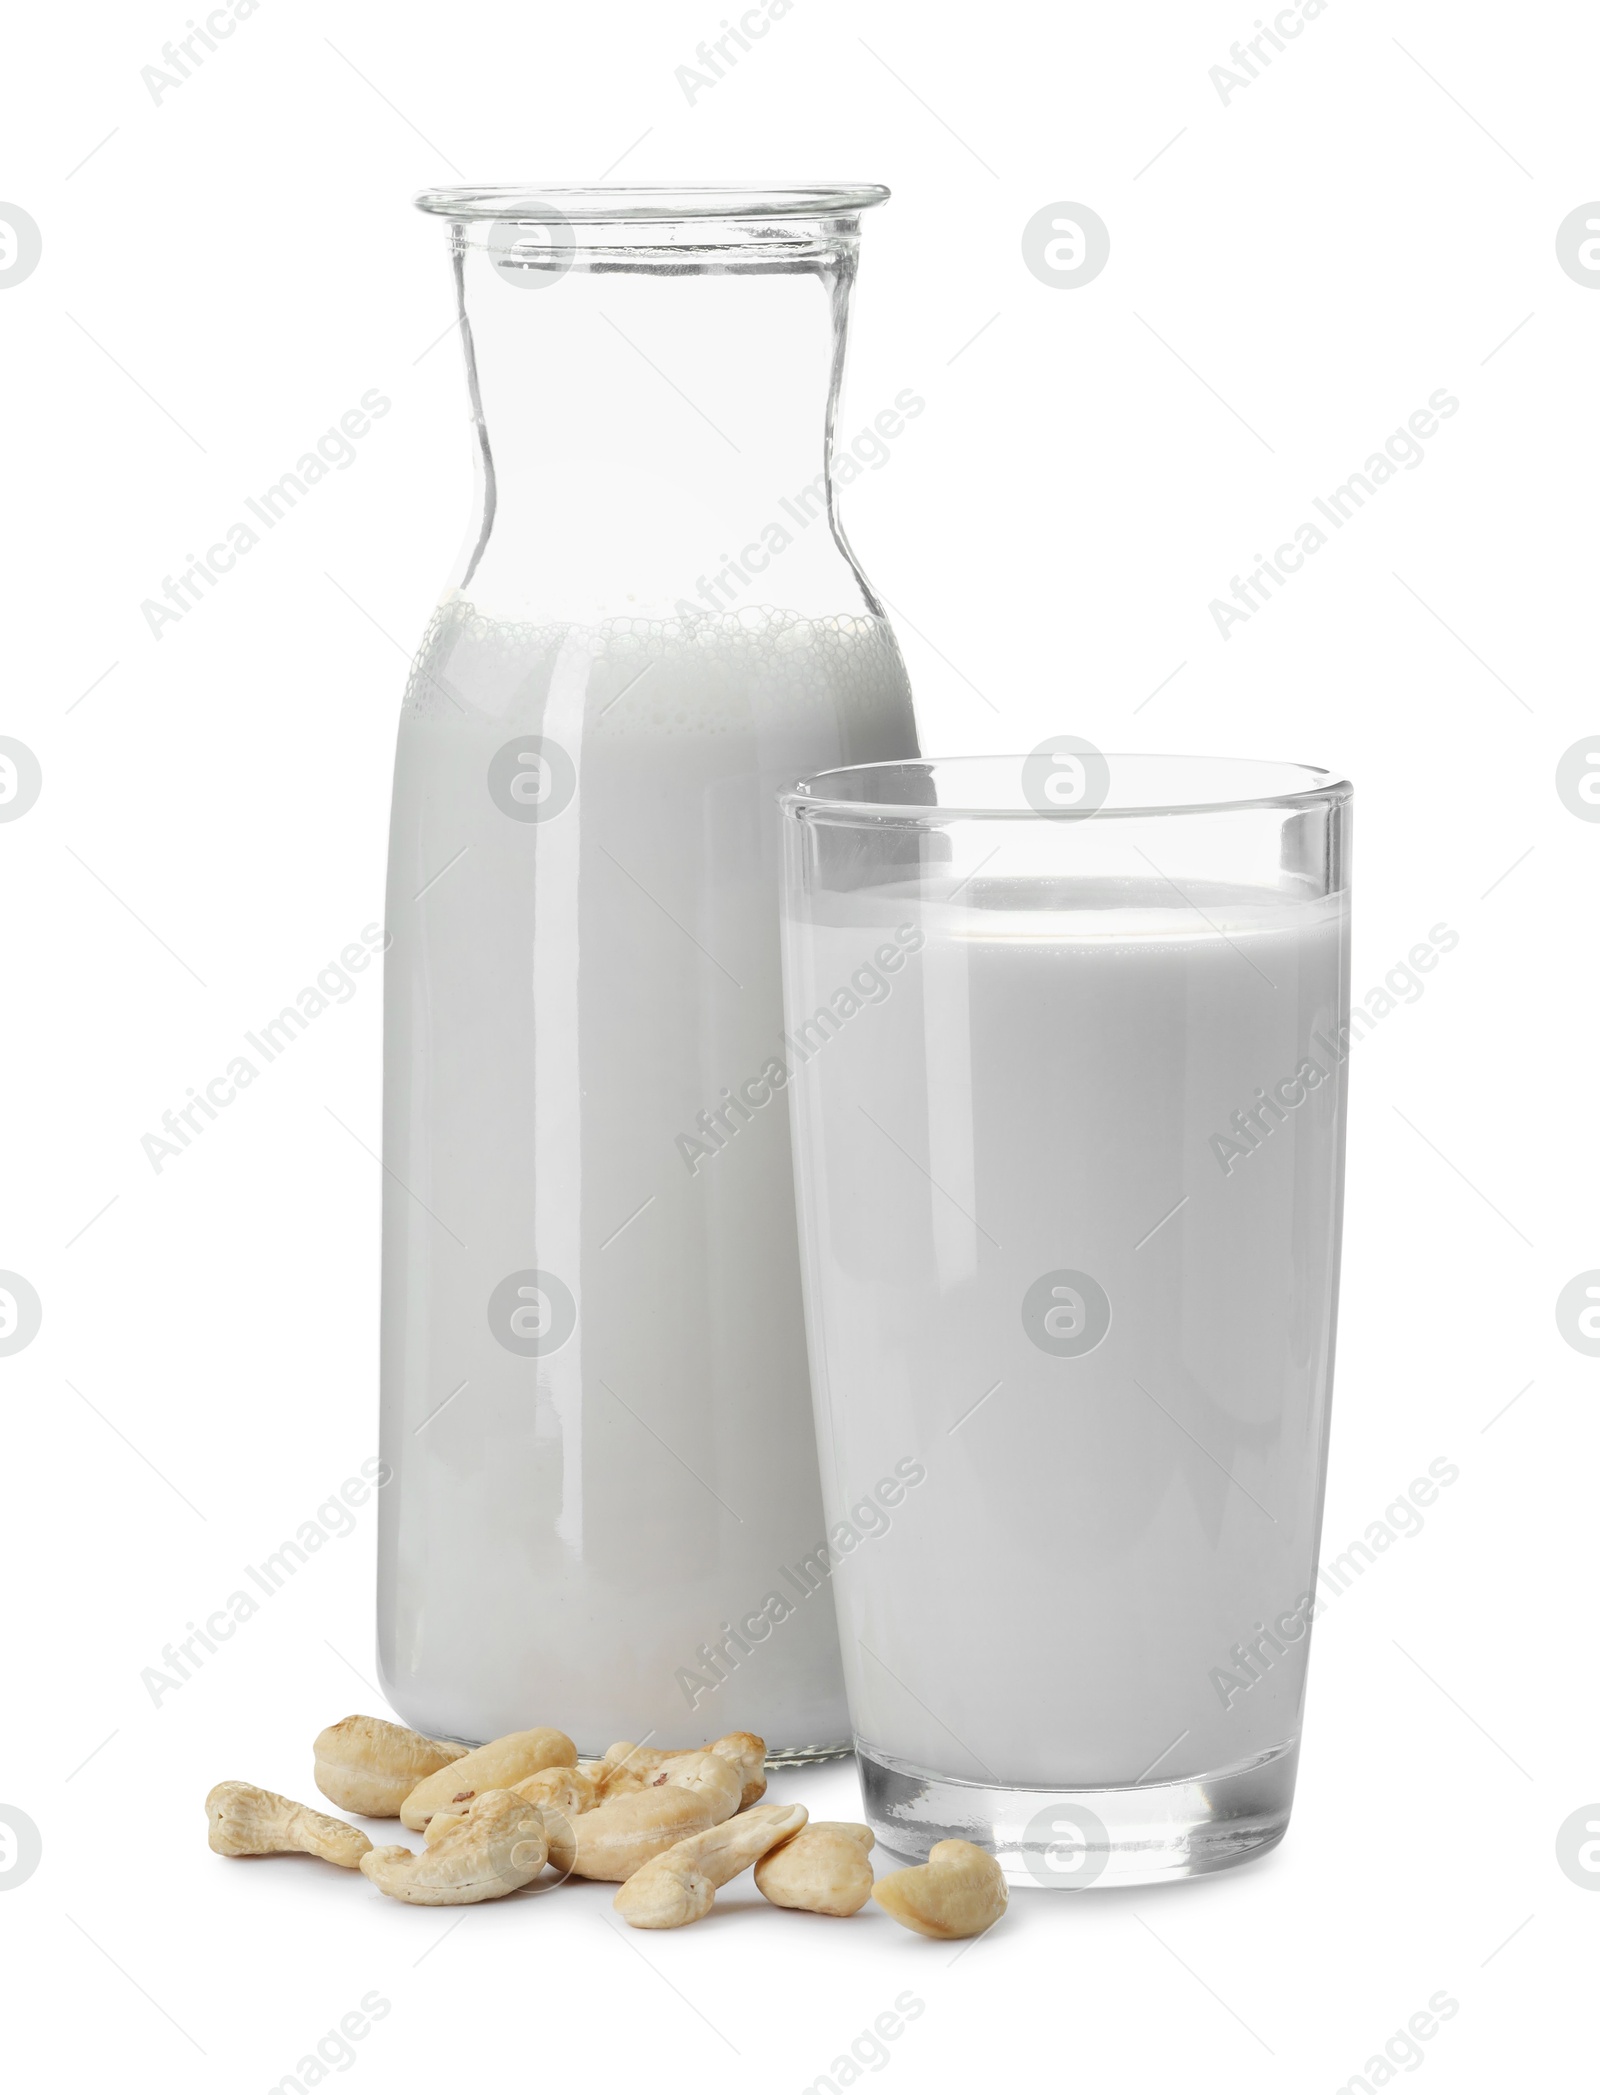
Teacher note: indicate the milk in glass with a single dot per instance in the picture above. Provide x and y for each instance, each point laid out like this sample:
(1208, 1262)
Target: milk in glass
(1071, 1202)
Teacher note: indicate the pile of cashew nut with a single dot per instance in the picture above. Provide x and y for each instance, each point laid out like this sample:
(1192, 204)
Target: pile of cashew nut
(669, 1828)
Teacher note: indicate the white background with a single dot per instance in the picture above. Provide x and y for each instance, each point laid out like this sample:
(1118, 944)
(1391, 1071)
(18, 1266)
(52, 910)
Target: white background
(1291, 274)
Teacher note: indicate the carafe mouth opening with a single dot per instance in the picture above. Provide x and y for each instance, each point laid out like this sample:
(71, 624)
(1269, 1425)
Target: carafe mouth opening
(657, 205)
(534, 236)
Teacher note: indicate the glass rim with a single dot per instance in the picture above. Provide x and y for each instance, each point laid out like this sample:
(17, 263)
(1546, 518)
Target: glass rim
(811, 797)
(653, 203)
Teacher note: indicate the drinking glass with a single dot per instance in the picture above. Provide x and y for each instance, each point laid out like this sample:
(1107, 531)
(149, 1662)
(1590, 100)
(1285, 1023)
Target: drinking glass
(1068, 1036)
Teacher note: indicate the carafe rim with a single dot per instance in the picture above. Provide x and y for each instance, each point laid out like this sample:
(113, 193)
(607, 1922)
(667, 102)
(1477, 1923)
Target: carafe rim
(651, 203)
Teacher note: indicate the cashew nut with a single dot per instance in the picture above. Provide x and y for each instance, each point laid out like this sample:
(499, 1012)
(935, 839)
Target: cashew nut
(495, 1766)
(747, 1756)
(567, 1790)
(585, 1783)
(250, 1821)
(624, 1832)
(369, 1765)
(560, 1793)
(704, 1772)
(959, 1890)
(680, 1885)
(494, 1847)
(627, 1766)
(823, 1869)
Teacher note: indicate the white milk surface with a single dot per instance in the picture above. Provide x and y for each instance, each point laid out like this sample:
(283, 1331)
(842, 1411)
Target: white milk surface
(577, 1536)
(1030, 1093)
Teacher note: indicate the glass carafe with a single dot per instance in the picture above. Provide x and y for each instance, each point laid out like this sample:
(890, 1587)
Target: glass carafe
(604, 1510)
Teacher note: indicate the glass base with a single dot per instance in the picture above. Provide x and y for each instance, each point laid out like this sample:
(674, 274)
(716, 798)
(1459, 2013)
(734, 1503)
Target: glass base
(1075, 1839)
